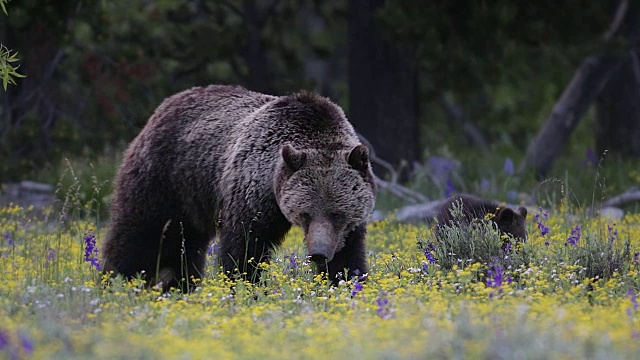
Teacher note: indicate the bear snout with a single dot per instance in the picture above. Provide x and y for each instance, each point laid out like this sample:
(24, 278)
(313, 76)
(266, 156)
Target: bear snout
(321, 241)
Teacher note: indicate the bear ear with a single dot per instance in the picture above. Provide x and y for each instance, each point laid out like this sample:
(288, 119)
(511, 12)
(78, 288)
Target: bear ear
(505, 215)
(293, 158)
(359, 158)
(523, 211)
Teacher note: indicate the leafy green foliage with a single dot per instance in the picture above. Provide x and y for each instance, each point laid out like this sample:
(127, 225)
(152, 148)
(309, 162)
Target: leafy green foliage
(503, 63)
(462, 242)
(103, 67)
(8, 72)
(470, 44)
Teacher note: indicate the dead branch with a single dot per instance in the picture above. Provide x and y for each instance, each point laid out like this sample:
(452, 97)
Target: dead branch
(400, 191)
(417, 213)
(376, 160)
(618, 19)
(626, 197)
(392, 185)
(420, 212)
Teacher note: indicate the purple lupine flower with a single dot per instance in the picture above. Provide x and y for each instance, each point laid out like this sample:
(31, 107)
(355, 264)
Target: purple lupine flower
(4, 339)
(383, 306)
(440, 166)
(293, 262)
(542, 214)
(449, 189)
(7, 237)
(441, 169)
(613, 233)
(213, 248)
(26, 343)
(574, 238)
(631, 293)
(359, 275)
(429, 254)
(425, 267)
(430, 257)
(590, 157)
(544, 230)
(91, 250)
(636, 259)
(357, 287)
(508, 166)
(51, 254)
(494, 276)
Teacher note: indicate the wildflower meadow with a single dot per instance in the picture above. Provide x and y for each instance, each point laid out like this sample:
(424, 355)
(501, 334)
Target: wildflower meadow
(570, 291)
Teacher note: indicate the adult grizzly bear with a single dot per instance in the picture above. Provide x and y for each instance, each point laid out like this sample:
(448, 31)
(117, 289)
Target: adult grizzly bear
(507, 220)
(243, 166)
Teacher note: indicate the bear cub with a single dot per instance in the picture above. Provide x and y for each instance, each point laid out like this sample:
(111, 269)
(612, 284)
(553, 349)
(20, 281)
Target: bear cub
(508, 221)
(226, 162)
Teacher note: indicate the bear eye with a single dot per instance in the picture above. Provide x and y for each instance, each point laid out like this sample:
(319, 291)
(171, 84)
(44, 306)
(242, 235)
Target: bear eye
(306, 217)
(336, 216)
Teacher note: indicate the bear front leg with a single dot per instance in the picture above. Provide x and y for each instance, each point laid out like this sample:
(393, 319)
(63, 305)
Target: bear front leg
(352, 257)
(193, 255)
(247, 242)
(241, 252)
(241, 255)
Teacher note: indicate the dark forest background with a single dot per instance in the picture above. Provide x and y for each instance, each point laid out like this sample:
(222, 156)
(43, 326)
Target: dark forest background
(490, 97)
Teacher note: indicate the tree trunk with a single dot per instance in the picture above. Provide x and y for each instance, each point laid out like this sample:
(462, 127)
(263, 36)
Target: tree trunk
(382, 87)
(576, 99)
(583, 89)
(618, 113)
(254, 53)
(618, 106)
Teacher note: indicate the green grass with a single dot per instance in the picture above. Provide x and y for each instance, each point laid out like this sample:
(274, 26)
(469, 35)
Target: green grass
(83, 187)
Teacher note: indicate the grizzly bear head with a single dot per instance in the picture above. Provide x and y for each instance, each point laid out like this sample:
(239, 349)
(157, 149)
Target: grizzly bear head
(327, 192)
(512, 222)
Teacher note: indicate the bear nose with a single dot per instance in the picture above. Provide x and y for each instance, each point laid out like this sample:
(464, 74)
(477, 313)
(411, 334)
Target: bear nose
(318, 258)
(320, 239)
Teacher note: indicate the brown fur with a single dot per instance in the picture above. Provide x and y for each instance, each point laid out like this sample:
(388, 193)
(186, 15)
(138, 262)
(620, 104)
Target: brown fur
(227, 162)
(508, 221)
